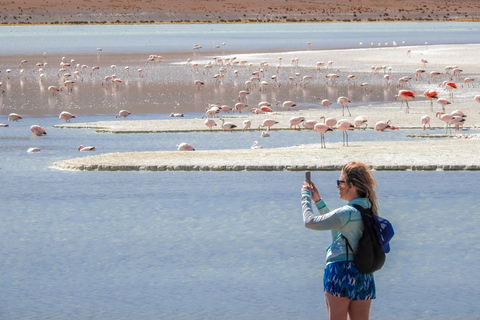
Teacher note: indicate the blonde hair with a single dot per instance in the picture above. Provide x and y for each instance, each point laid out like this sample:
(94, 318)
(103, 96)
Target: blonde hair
(361, 177)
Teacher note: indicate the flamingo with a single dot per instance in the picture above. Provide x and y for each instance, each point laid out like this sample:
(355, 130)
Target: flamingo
(265, 134)
(185, 147)
(447, 118)
(54, 89)
(84, 149)
(477, 98)
(431, 94)
(288, 105)
(210, 123)
(66, 116)
(256, 146)
(449, 86)
(123, 113)
(326, 103)
(227, 126)
(343, 101)
(37, 130)
(425, 121)
(32, 150)
(176, 115)
(331, 121)
(14, 117)
(344, 125)
(360, 121)
(309, 124)
(467, 81)
(384, 125)
(443, 102)
(322, 129)
(242, 95)
(295, 122)
(405, 95)
(246, 125)
(3, 125)
(267, 123)
(265, 109)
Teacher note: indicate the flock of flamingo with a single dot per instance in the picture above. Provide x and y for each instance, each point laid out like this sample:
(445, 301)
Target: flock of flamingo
(256, 79)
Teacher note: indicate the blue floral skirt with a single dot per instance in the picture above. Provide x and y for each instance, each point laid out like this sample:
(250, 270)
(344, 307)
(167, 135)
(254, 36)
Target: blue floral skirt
(342, 279)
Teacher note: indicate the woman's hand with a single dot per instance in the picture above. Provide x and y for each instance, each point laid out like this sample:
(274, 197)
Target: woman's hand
(311, 186)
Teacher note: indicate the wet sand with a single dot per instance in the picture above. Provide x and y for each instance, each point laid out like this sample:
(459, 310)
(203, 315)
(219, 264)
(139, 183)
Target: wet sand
(457, 153)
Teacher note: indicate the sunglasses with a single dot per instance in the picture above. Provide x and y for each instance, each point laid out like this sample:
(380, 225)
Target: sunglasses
(340, 181)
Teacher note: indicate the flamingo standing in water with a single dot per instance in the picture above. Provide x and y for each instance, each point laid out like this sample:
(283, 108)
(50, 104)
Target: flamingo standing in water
(447, 118)
(123, 113)
(450, 86)
(288, 105)
(210, 123)
(425, 121)
(405, 95)
(309, 124)
(360, 121)
(37, 130)
(267, 123)
(14, 117)
(343, 101)
(227, 126)
(295, 122)
(325, 103)
(185, 147)
(384, 125)
(66, 116)
(443, 102)
(246, 125)
(344, 125)
(431, 94)
(322, 129)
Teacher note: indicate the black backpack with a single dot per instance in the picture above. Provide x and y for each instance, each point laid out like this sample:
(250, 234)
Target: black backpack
(369, 255)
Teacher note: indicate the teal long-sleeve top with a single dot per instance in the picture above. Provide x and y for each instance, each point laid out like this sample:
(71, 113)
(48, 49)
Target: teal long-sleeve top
(345, 220)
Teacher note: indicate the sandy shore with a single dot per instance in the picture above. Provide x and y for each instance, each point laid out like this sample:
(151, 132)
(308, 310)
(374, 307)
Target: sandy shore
(409, 155)
(125, 11)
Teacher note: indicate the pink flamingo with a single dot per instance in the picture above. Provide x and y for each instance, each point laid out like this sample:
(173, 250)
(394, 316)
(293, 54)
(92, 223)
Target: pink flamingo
(344, 125)
(123, 113)
(246, 125)
(66, 116)
(295, 122)
(14, 117)
(185, 147)
(384, 125)
(325, 103)
(405, 95)
(176, 115)
(322, 129)
(288, 105)
(467, 82)
(310, 124)
(425, 121)
(443, 102)
(37, 130)
(449, 86)
(477, 98)
(343, 101)
(227, 126)
(240, 106)
(54, 89)
(210, 123)
(84, 149)
(447, 118)
(267, 123)
(330, 121)
(431, 94)
(360, 121)
(31, 150)
(265, 109)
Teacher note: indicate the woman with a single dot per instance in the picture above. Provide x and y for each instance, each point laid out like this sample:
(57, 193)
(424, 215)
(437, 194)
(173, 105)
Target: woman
(347, 291)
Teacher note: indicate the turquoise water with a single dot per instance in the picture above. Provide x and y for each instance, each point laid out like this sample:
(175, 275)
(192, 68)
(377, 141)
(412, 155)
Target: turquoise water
(211, 245)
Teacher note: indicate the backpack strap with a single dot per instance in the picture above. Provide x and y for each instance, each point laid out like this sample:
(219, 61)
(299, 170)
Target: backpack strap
(362, 212)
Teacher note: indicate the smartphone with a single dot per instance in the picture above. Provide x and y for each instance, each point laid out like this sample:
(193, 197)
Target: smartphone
(307, 175)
